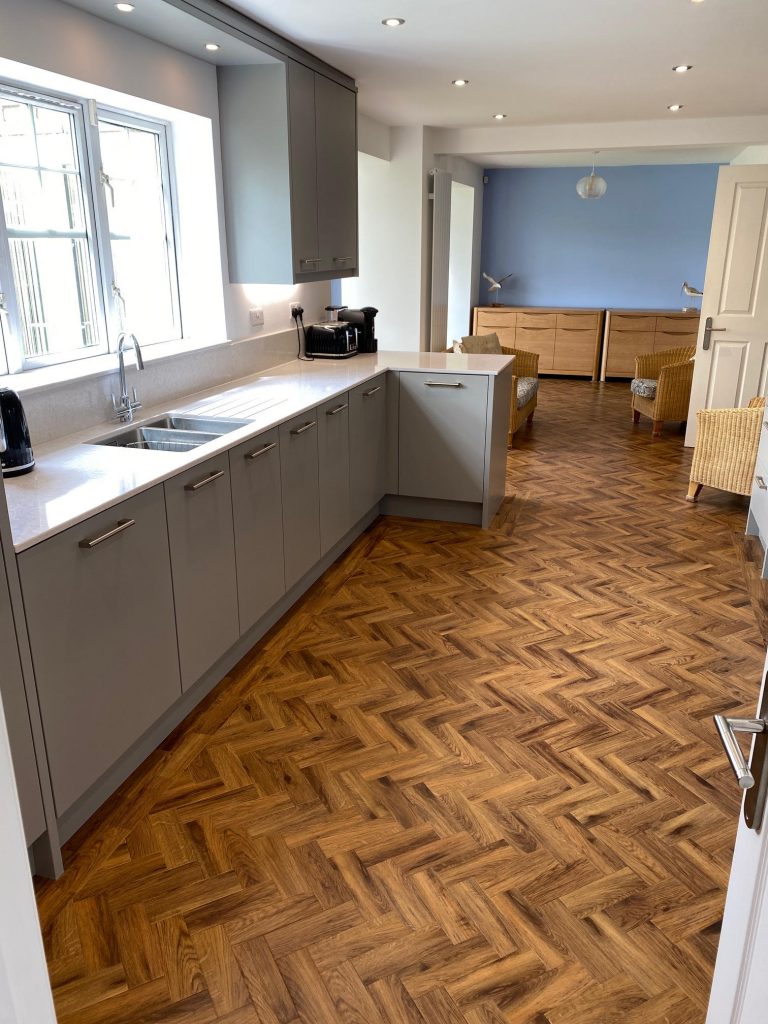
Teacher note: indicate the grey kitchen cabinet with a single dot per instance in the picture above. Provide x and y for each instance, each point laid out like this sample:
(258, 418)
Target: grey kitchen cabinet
(17, 721)
(202, 544)
(368, 444)
(300, 490)
(333, 470)
(99, 606)
(442, 435)
(289, 166)
(257, 516)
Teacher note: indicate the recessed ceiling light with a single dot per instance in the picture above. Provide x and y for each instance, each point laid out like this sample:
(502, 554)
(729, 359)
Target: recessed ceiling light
(393, 22)
(499, 117)
(674, 107)
(682, 68)
(460, 82)
(213, 47)
(124, 8)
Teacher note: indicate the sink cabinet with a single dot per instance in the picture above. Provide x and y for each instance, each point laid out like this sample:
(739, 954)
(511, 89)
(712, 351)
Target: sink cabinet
(333, 455)
(300, 489)
(99, 608)
(256, 511)
(368, 444)
(202, 544)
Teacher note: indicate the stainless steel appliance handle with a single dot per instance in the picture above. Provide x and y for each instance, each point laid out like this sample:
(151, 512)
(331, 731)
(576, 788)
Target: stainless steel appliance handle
(760, 481)
(337, 410)
(92, 542)
(709, 330)
(198, 484)
(367, 394)
(341, 259)
(260, 451)
(443, 384)
(727, 728)
(301, 430)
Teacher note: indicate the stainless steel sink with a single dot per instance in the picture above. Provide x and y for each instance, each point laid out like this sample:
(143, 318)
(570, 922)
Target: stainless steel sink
(171, 434)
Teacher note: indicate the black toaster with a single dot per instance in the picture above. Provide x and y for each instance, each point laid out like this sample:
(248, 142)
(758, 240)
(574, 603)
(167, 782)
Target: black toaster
(332, 340)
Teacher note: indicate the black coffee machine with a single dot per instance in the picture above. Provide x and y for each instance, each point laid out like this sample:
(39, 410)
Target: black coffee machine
(362, 319)
(15, 447)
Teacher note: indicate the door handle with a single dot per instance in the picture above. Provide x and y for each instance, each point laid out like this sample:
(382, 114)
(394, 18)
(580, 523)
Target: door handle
(93, 542)
(752, 778)
(443, 384)
(727, 728)
(260, 451)
(761, 483)
(709, 330)
(301, 430)
(215, 475)
(367, 394)
(337, 410)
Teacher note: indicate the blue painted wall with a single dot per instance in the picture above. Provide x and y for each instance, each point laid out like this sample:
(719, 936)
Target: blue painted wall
(634, 247)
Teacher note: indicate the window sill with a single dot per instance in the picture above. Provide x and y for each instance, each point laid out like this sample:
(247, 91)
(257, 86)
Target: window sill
(44, 377)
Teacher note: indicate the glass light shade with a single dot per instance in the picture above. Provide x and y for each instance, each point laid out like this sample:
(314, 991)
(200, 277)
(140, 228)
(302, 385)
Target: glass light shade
(592, 186)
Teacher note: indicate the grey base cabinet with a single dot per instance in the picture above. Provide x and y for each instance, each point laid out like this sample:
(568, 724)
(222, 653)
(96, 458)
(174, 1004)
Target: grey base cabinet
(99, 608)
(368, 444)
(202, 543)
(333, 455)
(442, 435)
(300, 487)
(255, 476)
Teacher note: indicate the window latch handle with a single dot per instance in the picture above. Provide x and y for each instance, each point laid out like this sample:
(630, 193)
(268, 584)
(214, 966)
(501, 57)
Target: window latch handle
(104, 179)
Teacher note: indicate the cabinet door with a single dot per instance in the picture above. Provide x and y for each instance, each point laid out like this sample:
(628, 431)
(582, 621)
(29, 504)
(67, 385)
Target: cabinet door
(575, 350)
(258, 519)
(99, 606)
(623, 346)
(336, 129)
(333, 453)
(537, 339)
(303, 162)
(442, 435)
(17, 721)
(202, 545)
(368, 444)
(301, 495)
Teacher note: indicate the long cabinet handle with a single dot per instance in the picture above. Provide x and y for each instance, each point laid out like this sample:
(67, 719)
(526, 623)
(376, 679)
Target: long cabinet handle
(92, 542)
(443, 384)
(337, 410)
(761, 483)
(341, 259)
(367, 394)
(215, 475)
(260, 451)
(301, 430)
(306, 260)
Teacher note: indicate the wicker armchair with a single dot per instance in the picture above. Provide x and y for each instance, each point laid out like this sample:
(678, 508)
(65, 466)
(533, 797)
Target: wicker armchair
(525, 382)
(726, 449)
(672, 372)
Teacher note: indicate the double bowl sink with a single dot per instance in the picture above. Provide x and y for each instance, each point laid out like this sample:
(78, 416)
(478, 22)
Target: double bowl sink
(171, 433)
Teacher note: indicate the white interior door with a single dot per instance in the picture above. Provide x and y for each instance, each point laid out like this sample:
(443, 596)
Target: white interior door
(740, 986)
(460, 264)
(731, 364)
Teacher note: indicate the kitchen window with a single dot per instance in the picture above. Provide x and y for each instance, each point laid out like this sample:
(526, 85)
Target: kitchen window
(87, 238)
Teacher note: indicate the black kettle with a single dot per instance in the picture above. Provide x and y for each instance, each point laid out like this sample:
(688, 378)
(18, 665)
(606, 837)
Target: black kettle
(16, 456)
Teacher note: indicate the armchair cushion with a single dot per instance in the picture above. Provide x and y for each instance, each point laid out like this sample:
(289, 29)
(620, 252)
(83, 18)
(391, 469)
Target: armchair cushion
(644, 387)
(481, 344)
(527, 387)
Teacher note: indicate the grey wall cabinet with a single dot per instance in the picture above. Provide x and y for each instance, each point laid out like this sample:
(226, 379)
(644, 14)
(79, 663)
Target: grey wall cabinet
(368, 444)
(257, 516)
(442, 435)
(202, 543)
(289, 165)
(300, 488)
(99, 608)
(333, 454)
(17, 720)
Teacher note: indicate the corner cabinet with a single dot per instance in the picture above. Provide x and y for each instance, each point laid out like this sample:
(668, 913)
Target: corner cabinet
(100, 618)
(368, 444)
(289, 164)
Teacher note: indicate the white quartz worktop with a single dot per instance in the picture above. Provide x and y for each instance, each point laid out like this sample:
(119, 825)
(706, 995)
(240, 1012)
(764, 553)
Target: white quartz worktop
(73, 480)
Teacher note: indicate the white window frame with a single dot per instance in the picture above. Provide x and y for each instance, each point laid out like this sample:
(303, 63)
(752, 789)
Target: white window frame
(86, 115)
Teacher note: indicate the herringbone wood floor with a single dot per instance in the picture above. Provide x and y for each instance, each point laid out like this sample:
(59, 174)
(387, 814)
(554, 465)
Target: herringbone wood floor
(471, 779)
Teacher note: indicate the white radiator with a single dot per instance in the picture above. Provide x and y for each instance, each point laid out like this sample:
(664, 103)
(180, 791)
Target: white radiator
(440, 195)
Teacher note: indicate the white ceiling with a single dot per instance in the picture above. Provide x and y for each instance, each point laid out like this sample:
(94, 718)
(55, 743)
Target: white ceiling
(613, 158)
(539, 61)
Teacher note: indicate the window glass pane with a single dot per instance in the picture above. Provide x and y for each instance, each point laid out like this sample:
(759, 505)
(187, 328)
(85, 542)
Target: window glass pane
(142, 250)
(45, 216)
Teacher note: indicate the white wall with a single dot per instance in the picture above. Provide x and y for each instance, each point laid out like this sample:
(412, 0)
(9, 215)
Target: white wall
(752, 155)
(460, 280)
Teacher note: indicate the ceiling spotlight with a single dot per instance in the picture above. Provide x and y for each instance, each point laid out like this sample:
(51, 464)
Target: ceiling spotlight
(124, 8)
(674, 107)
(213, 47)
(460, 82)
(499, 117)
(682, 68)
(393, 22)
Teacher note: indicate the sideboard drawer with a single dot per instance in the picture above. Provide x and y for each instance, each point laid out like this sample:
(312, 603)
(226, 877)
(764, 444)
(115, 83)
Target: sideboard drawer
(678, 324)
(632, 322)
(495, 318)
(537, 320)
(578, 321)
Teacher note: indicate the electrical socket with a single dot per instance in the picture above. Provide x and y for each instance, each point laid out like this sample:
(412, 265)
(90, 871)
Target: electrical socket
(293, 306)
(256, 316)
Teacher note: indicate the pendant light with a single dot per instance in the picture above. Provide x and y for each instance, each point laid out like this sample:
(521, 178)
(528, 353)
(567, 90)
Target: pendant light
(592, 186)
